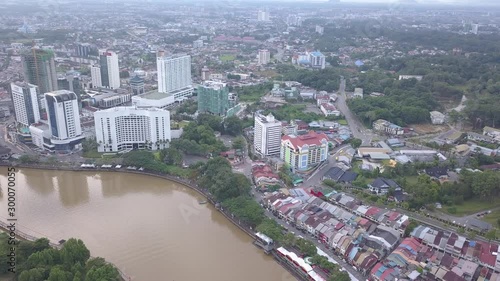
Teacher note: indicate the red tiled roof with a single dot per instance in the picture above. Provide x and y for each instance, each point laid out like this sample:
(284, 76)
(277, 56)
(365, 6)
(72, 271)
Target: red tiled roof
(311, 138)
(372, 211)
(376, 267)
(486, 253)
(392, 216)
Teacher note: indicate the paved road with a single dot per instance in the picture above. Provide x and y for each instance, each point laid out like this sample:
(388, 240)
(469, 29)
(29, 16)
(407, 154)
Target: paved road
(358, 129)
(309, 237)
(315, 178)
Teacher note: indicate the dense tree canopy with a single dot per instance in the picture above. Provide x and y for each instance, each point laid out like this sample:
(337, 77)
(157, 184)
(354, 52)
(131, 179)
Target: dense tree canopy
(36, 261)
(327, 79)
(404, 102)
(233, 126)
(198, 140)
(246, 209)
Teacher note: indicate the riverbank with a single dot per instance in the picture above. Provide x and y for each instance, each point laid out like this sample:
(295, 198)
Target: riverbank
(181, 181)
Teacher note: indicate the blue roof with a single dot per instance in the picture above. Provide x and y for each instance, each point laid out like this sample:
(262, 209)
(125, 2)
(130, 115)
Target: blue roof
(316, 54)
(359, 63)
(345, 137)
(353, 253)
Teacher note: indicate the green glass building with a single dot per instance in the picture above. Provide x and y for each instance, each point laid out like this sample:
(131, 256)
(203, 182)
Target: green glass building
(214, 98)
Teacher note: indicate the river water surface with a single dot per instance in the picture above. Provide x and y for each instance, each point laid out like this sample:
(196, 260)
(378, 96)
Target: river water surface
(151, 228)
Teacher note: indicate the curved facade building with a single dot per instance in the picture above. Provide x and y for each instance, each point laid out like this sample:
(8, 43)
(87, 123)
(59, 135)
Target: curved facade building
(64, 128)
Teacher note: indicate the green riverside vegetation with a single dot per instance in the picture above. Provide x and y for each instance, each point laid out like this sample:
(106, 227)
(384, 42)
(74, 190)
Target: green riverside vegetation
(38, 261)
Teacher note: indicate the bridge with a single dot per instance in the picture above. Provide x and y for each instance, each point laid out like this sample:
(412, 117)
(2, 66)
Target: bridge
(25, 236)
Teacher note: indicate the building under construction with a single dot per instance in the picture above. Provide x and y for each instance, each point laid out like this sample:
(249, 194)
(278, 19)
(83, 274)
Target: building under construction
(40, 69)
(214, 98)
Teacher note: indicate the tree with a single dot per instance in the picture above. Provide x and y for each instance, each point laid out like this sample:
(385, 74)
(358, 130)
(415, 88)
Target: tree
(323, 262)
(73, 251)
(491, 235)
(411, 226)
(339, 276)
(171, 156)
(233, 125)
(355, 143)
(106, 272)
(306, 247)
(270, 228)
(246, 209)
(289, 240)
(78, 276)
(57, 273)
(34, 274)
(239, 142)
(45, 258)
(145, 159)
(95, 262)
(212, 121)
(29, 159)
(89, 144)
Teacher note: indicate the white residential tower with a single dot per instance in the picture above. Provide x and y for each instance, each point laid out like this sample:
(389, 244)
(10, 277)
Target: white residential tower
(267, 135)
(126, 128)
(25, 99)
(174, 75)
(106, 74)
(64, 119)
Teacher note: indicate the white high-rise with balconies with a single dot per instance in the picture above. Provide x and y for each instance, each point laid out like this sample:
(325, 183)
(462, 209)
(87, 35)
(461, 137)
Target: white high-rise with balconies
(64, 119)
(25, 99)
(106, 74)
(267, 135)
(174, 75)
(127, 127)
(264, 56)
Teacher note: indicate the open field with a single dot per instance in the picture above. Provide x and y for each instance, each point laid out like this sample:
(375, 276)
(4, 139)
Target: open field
(267, 73)
(227, 57)
(472, 206)
(92, 154)
(429, 128)
(342, 122)
(492, 218)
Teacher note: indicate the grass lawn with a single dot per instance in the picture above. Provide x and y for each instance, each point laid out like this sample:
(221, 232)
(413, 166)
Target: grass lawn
(183, 123)
(342, 122)
(92, 154)
(227, 57)
(157, 155)
(473, 206)
(412, 180)
(492, 218)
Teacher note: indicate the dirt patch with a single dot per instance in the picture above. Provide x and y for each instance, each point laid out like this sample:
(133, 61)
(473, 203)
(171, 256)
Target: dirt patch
(429, 128)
